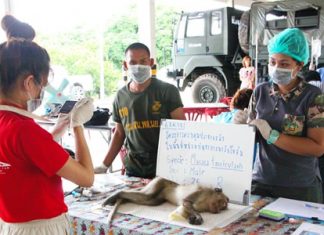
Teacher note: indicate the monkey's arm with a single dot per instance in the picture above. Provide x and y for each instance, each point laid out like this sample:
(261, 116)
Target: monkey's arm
(187, 210)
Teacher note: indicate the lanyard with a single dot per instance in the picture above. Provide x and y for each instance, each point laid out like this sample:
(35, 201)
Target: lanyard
(22, 112)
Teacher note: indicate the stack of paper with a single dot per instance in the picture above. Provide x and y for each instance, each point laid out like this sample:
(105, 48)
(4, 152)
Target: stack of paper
(297, 208)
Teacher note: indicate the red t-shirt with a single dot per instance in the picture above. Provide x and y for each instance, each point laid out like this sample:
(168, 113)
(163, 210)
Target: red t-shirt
(29, 160)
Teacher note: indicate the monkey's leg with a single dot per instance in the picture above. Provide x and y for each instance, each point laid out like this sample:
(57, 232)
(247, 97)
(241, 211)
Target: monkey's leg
(142, 198)
(151, 194)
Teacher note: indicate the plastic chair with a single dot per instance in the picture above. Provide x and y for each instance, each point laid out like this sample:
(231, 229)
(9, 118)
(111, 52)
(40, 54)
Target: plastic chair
(226, 100)
(194, 114)
(122, 154)
(213, 112)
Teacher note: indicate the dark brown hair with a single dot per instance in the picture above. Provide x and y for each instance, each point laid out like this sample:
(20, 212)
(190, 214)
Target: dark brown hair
(20, 58)
(241, 98)
(17, 29)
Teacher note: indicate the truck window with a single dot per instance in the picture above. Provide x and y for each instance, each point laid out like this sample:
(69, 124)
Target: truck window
(216, 23)
(307, 18)
(196, 25)
(182, 27)
(276, 19)
(181, 34)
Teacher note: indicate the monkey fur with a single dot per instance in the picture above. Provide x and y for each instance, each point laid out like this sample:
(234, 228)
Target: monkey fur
(191, 199)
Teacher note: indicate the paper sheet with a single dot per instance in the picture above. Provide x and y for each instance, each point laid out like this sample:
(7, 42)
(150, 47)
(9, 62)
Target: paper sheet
(161, 213)
(309, 229)
(297, 208)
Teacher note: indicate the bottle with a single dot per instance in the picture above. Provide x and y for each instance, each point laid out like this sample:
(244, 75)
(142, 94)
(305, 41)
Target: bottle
(246, 198)
(124, 73)
(153, 70)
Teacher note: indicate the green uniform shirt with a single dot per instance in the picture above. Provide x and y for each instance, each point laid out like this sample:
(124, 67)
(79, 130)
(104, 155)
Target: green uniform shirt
(140, 114)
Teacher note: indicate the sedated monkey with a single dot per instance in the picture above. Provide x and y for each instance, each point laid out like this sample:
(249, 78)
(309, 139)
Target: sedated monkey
(191, 199)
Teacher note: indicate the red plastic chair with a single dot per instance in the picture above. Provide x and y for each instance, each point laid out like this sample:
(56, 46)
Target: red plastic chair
(122, 154)
(226, 100)
(215, 111)
(194, 114)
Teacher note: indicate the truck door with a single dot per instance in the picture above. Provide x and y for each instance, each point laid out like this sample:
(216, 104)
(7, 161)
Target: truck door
(189, 38)
(215, 40)
(195, 40)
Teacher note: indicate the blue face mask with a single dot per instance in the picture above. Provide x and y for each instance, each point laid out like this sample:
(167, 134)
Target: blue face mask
(280, 76)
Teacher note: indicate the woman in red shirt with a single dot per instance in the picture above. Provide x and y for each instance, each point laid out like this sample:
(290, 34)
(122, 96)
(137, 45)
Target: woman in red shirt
(31, 162)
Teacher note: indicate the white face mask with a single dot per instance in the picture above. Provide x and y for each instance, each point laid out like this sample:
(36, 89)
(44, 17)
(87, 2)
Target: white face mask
(34, 103)
(280, 76)
(139, 73)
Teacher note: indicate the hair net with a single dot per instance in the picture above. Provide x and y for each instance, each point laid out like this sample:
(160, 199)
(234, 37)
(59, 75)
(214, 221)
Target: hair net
(290, 42)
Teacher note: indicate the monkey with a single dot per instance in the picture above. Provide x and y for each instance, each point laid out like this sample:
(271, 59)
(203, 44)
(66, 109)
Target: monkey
(190, 199)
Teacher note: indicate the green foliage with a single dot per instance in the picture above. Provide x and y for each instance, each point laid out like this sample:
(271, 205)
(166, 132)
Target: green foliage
(78, 49)
(117, 37)
(164, 32)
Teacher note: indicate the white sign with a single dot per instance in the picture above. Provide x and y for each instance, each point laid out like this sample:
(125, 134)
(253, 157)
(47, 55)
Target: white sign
(217, 155)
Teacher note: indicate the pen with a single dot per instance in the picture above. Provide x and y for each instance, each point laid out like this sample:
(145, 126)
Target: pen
(313, 207)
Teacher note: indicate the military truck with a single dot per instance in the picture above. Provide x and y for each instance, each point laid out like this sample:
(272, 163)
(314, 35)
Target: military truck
(208, 46)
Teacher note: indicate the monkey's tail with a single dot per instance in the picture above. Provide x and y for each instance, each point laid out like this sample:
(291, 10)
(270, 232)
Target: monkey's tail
(113, 211)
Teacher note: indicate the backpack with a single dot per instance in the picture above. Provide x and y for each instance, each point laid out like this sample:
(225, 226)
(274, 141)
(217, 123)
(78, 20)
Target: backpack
(100, 117)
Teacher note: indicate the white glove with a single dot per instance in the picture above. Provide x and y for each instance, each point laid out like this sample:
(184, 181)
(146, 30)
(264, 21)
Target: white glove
(263, 126)
(82, 112)
(60, 126)
(241, 117)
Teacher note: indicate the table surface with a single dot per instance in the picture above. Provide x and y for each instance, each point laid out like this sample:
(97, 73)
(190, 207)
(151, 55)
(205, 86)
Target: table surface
(87, 217)
(51, 122)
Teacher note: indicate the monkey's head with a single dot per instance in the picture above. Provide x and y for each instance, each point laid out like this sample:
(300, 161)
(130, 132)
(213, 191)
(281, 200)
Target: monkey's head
(218, 201)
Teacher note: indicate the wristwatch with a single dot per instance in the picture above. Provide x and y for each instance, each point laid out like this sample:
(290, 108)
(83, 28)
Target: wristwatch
(274, 135)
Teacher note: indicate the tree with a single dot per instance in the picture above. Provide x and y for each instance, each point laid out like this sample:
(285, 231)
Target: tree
(165, 18)
(77, 50)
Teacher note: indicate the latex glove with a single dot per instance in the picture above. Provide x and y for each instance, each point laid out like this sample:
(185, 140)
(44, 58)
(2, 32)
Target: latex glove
(60, 126)
(263, 126)
(241, 117)
(82, 112)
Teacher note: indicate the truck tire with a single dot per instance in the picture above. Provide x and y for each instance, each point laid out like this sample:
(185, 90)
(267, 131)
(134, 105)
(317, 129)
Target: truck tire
(207, 88)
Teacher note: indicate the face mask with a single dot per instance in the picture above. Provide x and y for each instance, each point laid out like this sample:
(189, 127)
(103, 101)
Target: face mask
(139, 73)
(32, 103)
(280, 76)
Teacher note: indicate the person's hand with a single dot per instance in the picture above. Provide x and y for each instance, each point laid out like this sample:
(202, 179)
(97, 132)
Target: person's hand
(263, 126)
(82, 112)
(60, 126)
(241, 117)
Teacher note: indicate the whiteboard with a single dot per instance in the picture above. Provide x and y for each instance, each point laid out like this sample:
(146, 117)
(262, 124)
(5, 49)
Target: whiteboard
(211, 154)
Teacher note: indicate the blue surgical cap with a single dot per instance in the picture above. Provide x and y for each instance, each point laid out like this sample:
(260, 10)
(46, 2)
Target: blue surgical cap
(290, 42)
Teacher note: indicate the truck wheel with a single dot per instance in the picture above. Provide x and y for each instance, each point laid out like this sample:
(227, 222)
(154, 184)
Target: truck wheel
(207, 88)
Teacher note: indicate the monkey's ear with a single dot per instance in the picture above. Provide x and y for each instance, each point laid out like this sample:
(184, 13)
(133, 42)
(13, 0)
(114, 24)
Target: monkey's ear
(218, 190)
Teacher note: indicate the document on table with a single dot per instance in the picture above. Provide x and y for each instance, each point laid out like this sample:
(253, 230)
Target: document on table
(309, 229)
(297, 208)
